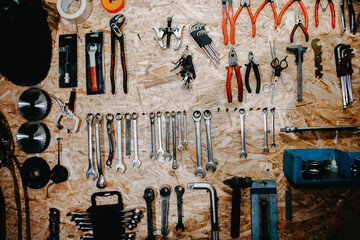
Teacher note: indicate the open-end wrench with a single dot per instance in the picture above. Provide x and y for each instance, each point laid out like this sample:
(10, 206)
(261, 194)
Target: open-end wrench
(128, 133)
(153, 142)
(186, 142)
(242, 122)
(265, 113)
(180, 146)
(197, 115)
(173, 115)
(165, 191)
(101, 180)
(272, 111)
(91, 171)
(167, 136)
(207, 116)
(179, 190)
(136, 158)
(120, 164)
(159, 120)
(109, 120)
(149, 196)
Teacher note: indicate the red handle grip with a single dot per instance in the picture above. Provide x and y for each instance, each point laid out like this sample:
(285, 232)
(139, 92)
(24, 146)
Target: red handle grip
(93, 79)
(305, 14)
(275, 14)
(332, 14)
(252, 21)
(316, 14)
(283, 10)
(224, 22)
(228, 83)
(240, 84)
(232, 25)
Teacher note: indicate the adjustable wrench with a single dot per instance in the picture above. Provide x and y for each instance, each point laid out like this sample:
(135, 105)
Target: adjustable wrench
(101, 180)
(180, 146)
(128, 133)
(91, 171)
(265, 112)
(136, 158)
(186, 142)
(179, 190)
(242, 121)
(167, 136)
(173, 115)
(119, 165)
(272, 111)
(197, 115)
(160, 150)
(210, 164)
(149, 196)
(109, 120)
(165, 191)
(153, 142)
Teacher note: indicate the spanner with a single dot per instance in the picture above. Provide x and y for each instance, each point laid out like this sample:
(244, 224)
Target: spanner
(119, 165)
(173, 115)
(265, 112)
(109, 120)
(272, 111)
(128, 133)
(153, 142)
(91, 171)
(149, 196)
(179, 190)
(165, 191)
(197, 115)
(159, 120)
(180, 146)
(242, 121)
(207, 116)
(101, 180)
(136, 158)
(167, 136)
(186, 142)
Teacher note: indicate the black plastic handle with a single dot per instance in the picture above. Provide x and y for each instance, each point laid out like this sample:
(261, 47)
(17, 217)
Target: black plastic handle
(105, 194)
(257, 75)
(247, 74)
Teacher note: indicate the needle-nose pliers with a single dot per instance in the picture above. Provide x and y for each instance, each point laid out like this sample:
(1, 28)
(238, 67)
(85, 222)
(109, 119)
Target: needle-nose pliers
(233, 64)
(299, 24)
(256, 71)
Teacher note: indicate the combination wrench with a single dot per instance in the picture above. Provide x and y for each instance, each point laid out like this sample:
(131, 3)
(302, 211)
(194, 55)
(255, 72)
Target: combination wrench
(197, 115)
(167, 136)
(91, 171)
(186, 142)
(149, 196)
(159, 120)
(101, 180)
(242, 122)
(136, 158)
(165, 191)
(109, 120)
(128, 133)
(272, 111)
(173, 115)
(265, 113)
(207, 116)
(179, 190)
(120, 164)
(180, 146)
(153, 142)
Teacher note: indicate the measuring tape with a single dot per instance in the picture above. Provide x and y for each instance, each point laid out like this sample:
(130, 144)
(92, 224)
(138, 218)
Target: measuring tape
(78, 17)
(113, 6)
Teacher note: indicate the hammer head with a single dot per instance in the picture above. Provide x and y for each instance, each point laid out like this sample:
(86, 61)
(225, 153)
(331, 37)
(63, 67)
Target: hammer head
(239, 182)
(298, 50)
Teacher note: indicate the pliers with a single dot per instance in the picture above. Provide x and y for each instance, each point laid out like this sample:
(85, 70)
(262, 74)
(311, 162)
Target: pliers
(273, 9)
(331, 4)
(351, 16)
(303, 9)
(116, 23)
(233, 64)
(228, 12)
(299, 24)
(246, 3)
(256, 71)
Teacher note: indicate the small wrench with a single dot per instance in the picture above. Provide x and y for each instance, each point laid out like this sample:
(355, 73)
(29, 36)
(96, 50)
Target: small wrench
(272, 111)
(242, 121)
(165, 191)
(173, 115)
(101, 180)
(186, 142)
(109, 120)
(91, 171)
(119, 165)
(167, 136)
(136, 158)
(153, 142)
(180, 146)
(207, 116)
(197, 115)
(265, 112)
(159, 120)
(179, 190)
(128, 133)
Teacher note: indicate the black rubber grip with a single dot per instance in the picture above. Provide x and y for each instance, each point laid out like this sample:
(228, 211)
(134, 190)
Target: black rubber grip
(72, 100)
(247, 74)
(257, 75)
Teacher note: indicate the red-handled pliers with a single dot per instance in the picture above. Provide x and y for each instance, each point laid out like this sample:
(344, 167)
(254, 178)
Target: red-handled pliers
(332, 9)
(228, 12)
(273, 9)
(246, 3)
(233, 64)
(303, 9)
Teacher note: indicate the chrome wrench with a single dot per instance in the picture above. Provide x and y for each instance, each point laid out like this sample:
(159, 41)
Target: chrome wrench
(186, 142)
(128, 133)
(167, 136)
(272, 111)
(173, 115)
(101, 180)
(136, 158)
(197, 115)
(180, 146)
(207, 116)
(160, 150)
(153, 141)
(242, 122)
(120, 164)
(265, 113)
(91, 171)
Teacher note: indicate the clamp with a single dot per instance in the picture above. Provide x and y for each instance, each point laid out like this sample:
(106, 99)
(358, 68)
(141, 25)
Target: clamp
(226, 13)
(332, 9)
(273, 9)
(303, 9)
(256, 71)
(233, 64)
(299, 24)
(161, 32)
(246, 3)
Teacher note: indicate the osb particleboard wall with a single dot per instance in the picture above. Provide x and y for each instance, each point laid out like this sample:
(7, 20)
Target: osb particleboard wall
(318, 213)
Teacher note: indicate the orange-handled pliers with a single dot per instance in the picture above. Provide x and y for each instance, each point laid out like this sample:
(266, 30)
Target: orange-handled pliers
(233, 64)
(273, 9)
(332, 9)
(228, 12)
(303, 9)
(246, 3)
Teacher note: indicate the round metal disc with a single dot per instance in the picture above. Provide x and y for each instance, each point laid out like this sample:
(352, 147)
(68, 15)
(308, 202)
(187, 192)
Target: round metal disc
(33, 137)
(34, 104)
(35, 172)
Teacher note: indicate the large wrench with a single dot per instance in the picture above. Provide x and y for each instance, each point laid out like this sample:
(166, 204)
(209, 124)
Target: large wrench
(119, 165)
(197, 115)
(207, 116)
(173, 115)
(242, 121)
(160, 150)
(149, 196)
(167, 136)
(272, 111)
(180, 146)
(101, 180)
(165, 191)
(136, 158)
(109, 120)
(186, 142)
(153, 142)
(266, 147)
(91, 171)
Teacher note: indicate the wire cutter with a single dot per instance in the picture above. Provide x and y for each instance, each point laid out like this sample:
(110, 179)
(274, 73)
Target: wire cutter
(246, 3)
(298, 24)
(303, 9)
(228, 12)
(331, 4)
(273, 9)
(116, 23)
(351, 16)
(256, 71)
(233, 64)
